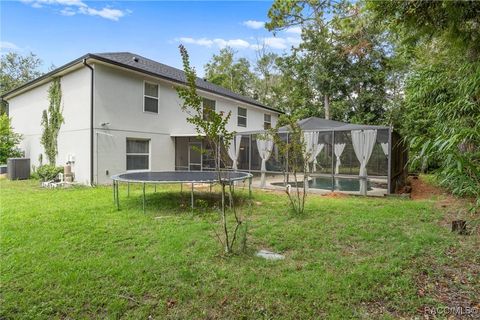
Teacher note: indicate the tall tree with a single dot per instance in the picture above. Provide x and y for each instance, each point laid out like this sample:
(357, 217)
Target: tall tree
(266, 76)
(231, 73)
(344, 53)
(16, 70)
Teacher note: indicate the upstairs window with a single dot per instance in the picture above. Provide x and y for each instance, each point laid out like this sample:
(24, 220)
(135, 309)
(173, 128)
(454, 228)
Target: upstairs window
(267, 121)
(242, 117)
(138, 154)
(208, 107)
(150, 97)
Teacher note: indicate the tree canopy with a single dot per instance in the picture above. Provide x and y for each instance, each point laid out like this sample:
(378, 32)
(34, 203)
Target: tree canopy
(16, 70)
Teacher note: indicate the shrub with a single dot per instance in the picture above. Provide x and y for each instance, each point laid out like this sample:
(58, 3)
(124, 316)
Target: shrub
(48, 172)
(8, 140)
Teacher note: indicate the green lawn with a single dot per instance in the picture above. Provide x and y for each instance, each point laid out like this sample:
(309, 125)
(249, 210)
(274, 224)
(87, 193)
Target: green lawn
(70, 254)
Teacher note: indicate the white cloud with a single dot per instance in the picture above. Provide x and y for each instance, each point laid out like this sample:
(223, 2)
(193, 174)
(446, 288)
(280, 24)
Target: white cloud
(294, 30)
(67, 12)
(8, 46)
(107, 13)
(221, 43)
(254, 24)
(42, 3)
(234, 43)
(277, 43)
(73, 7)
(201, 42)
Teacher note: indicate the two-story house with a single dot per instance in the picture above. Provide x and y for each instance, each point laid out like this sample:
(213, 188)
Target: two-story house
(122, 113)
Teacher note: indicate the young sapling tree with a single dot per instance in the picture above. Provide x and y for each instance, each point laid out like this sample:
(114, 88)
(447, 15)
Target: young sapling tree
(294, 148)
(211, 127)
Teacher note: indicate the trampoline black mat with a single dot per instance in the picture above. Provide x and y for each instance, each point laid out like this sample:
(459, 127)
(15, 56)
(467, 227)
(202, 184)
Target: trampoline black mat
(180, 176)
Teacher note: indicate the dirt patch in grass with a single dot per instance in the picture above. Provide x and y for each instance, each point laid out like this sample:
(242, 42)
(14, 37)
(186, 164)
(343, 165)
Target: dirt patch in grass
(335, 195)
(423, 190)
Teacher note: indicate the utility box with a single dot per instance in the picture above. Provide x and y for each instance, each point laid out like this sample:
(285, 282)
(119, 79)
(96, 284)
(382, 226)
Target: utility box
(18, 168)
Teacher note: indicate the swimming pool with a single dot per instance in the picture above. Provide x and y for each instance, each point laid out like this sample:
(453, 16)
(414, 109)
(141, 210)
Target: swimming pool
(341, 184)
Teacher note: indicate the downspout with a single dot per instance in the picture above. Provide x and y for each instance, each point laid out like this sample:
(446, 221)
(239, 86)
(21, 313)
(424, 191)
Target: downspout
(91, 120)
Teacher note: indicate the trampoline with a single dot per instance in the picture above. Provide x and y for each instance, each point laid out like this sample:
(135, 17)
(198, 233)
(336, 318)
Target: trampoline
(174, 177)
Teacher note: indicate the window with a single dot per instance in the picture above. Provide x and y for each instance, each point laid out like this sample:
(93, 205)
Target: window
(208, 105)
(242, 117)
(150, 97)
(267, 121)
(138, 154)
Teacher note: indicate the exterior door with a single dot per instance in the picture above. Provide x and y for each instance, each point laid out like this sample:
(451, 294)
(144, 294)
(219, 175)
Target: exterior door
(194, 156)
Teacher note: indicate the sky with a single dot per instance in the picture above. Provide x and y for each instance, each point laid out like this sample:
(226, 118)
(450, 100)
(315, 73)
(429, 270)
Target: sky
(59, 31)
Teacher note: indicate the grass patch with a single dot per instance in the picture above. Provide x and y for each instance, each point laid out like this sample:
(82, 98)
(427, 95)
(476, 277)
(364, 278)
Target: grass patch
(70, 254)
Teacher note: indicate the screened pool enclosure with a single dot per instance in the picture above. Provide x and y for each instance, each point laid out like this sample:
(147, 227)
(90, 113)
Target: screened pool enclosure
(353, 158)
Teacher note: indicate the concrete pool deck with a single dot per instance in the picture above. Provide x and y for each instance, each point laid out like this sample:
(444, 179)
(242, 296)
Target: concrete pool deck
(256, 183)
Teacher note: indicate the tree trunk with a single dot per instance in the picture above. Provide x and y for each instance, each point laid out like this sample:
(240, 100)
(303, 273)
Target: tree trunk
(326, 103)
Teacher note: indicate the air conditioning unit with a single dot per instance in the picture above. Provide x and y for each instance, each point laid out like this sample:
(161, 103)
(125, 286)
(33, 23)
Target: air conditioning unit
(18, 168)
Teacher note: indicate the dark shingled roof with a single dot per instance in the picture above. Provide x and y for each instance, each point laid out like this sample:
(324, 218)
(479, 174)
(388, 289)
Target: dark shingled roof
(141, 64)
(149, 66)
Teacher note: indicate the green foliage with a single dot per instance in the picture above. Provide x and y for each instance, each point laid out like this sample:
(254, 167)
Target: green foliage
(48, 172)
(16, 70)
(8, 140)
(442, 121)
(52, 120)
(419, 22)
(440, 115)
(226, 71)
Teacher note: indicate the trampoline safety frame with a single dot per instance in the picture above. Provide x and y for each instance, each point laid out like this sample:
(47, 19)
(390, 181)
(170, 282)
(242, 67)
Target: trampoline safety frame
(206, 177)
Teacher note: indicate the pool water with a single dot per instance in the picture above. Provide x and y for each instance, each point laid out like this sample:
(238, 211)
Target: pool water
(341, 184)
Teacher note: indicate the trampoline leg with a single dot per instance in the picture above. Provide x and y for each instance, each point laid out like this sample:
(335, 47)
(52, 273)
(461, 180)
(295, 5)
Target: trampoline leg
(181, 187)
(250, 187)
(230, 195)
(114, 196)
(144, 198)
(210, 187)
(118, 200)
(155, 187)
(192, 197)
(128, 189)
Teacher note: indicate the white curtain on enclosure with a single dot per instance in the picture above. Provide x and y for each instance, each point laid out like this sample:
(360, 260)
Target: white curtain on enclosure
(338, 148)
(312, 148)
(384, 148)
(265, 146)
(363, 142)
(234, 150)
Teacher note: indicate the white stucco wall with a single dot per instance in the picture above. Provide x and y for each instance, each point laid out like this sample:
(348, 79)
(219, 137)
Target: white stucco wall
(119, 102)
(26, 113)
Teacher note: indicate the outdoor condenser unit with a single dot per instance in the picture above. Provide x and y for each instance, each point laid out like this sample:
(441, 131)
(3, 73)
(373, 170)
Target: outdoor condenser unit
(18, 168)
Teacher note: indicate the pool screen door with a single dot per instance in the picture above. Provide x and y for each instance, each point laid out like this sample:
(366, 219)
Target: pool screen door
(194, 156)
